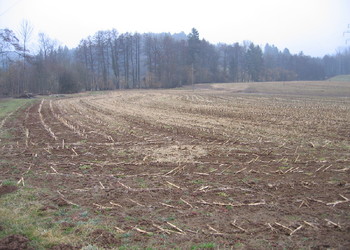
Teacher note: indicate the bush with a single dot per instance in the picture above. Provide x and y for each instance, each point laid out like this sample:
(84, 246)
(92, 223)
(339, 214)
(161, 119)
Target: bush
(67, 83)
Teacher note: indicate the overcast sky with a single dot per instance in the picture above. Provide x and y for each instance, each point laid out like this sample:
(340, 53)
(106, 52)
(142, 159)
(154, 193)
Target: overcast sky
(313, 26)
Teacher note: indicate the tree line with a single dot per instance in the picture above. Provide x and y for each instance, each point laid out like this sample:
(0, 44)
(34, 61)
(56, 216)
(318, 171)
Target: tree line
(110, 60)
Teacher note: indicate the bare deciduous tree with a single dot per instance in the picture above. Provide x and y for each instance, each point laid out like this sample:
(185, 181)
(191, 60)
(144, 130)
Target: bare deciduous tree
(25, 32)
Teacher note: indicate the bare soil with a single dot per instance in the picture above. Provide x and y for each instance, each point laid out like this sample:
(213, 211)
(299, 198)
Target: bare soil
(6, 189)
(14, 242)
(177, 168)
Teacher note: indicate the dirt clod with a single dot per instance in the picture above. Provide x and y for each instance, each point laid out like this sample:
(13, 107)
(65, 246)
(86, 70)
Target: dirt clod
(103, 238)
(15, 242)
(5, 189)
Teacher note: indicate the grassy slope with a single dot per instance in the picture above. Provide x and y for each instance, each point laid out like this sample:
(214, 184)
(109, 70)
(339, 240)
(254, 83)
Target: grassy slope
(340, 78)
(20, 211)
(8, 108)
(10, 105)
(17, 210)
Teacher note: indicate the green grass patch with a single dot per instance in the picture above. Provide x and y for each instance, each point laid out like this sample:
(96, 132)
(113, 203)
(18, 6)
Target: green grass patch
(22, 213)
(198, 182)
(85, 167)
(209, 245)
(10, 105)
(9, 183)
(7, 106)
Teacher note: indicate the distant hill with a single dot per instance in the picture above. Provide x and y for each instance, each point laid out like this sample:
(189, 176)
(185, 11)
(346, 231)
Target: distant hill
(340, 78)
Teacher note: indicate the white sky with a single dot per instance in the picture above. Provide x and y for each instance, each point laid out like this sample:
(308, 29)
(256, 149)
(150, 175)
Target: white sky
(313, 26)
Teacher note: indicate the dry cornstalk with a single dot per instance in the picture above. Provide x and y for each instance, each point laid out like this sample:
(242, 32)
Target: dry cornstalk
(241, 170)
(123, 185)
(224, 170)
(139, 189)
(186, 202)
(253, 160)
(136, 202)
(69, 202)
(175, 227)
(119, 229)
(47, 150)
(233, 223)
(142, 231)
(288, 170)
(295, 230)
(319, 201)
(102, 207)
(338, 202)
(296, 159)
(47, 128)
(172, 184)
(205, 174)
(103, 187)
(281, 159)
(305, 184)
(78, 174)
(224, 189)
(167, 205)
(173, 170)
(110, 138)
(60, 193)
(213, 229)
(54, 169)
(231, 204)
(221, 204)
(83, 189)
(27, 136)
(325, 169)
(255, 204)
(115, 204)
(310, 224)
(329, 222)
(191, 231)
(30, 166)
(202, 188)
(254, 171)
(63, 198)
(272, 228)
(341, 170)
(162, 229)
(304, 202)
(283, 226)
(74, 152)
(21, 181)
(319, 168)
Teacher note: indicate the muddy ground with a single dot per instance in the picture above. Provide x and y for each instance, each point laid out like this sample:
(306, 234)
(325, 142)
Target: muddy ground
(177, 168)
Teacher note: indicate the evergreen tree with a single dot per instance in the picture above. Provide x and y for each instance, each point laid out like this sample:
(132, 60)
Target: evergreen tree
(255, 62)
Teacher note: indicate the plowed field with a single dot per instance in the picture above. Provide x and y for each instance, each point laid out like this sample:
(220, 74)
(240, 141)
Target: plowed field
(214, 167)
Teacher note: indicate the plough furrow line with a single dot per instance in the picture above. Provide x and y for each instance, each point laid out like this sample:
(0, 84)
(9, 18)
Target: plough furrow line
(66, 123)
(47, 128)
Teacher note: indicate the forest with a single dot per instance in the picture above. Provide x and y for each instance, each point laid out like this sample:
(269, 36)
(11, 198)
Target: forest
(110, 60)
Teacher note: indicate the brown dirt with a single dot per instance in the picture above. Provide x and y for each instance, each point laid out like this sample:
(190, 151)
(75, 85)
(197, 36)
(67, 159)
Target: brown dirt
(103, 238)
(14, 242)
(5, 189)
(181, 168)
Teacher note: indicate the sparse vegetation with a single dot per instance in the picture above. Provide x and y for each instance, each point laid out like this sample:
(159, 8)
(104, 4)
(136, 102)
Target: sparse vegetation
(212, 168)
